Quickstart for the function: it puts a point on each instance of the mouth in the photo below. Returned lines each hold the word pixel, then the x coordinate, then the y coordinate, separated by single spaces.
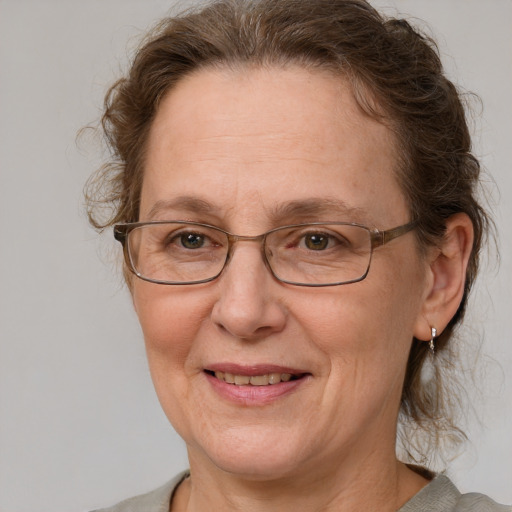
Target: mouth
pixel 264 379
pixel 257 385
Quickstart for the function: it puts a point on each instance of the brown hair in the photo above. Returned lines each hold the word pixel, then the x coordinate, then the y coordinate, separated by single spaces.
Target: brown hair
pixel 396 75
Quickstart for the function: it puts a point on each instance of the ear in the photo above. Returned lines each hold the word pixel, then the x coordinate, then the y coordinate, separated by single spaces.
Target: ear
pixel 447 265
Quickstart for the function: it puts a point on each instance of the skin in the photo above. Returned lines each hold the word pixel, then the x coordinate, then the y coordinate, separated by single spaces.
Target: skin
pixel 248 142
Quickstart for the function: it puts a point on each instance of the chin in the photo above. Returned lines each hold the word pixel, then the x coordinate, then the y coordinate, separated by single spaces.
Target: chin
pixel 259 456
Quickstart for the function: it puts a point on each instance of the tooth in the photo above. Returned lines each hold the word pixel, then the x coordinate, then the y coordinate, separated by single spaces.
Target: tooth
pixel 274 378
pixel 255 380
pixel 259 380
pixel 242 380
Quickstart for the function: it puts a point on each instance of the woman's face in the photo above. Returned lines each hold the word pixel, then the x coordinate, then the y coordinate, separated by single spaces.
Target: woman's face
pixel 249 151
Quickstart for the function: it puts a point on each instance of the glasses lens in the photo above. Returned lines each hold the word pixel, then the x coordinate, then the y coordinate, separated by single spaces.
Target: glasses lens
pixel 319 254
pixel 177 252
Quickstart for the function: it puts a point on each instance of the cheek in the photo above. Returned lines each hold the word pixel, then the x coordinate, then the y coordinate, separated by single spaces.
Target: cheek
pixel 366 329
pixel 170 323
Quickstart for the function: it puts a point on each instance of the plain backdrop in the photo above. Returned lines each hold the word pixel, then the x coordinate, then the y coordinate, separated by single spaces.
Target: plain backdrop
pixel 80 426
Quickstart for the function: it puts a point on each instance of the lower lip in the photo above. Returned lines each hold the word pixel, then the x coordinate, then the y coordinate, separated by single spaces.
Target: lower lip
pixel 254 395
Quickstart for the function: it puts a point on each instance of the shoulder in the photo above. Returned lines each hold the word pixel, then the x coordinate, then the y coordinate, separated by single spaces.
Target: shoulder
pixel 474 502
pixel 441 495
pixel 157 500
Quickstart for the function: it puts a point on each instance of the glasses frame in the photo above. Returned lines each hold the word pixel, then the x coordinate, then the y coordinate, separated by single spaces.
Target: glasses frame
pixel 377 238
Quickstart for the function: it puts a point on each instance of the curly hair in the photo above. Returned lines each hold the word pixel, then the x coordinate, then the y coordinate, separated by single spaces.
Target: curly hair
pixel 397 77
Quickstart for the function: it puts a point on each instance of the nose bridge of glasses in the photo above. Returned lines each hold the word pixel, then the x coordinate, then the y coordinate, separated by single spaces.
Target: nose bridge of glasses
pixel 248 238
pixel 234 239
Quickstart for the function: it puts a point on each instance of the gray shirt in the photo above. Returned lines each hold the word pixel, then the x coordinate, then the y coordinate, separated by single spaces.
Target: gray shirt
pixel 440 495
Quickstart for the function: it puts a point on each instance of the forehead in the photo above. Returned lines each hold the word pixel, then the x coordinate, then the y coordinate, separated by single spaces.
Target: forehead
pixel 258 138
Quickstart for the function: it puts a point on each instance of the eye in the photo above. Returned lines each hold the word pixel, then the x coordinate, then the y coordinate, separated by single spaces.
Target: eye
pixel 187 239
pixel 320 239
pixel 316 241
pixel 192 240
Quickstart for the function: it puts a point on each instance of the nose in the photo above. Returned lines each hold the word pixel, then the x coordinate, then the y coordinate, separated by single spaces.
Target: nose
pixel 248 306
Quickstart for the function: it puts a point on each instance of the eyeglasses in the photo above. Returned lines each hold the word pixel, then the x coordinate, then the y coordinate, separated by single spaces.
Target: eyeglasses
pixel 312 254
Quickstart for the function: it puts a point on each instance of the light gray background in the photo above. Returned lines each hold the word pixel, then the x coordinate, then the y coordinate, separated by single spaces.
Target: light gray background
pixel 80 426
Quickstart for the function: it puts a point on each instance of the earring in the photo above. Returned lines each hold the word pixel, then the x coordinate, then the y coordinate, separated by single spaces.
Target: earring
pixel 433 334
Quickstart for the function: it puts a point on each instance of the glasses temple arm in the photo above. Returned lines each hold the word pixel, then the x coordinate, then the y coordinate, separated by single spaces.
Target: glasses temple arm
pixel 383 237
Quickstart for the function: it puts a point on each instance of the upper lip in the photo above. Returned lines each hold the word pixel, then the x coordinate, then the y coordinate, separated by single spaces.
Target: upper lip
pixel 253 370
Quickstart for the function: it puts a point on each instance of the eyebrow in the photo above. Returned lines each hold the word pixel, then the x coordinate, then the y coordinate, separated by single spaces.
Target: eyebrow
pixel 310 209
pixel 320 208
pixel 187 204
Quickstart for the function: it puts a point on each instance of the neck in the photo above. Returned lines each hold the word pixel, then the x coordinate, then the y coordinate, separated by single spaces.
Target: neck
pixel 383 487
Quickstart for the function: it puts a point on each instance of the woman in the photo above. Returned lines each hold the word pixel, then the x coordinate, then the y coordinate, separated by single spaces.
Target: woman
pixel 293 187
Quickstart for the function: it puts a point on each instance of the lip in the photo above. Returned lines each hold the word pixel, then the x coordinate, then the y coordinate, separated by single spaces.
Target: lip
pixel 254 395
